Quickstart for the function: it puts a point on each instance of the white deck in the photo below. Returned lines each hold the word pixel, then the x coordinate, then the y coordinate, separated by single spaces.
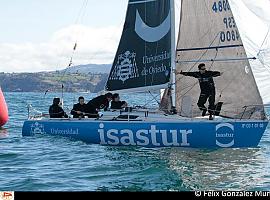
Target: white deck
pixel 153 116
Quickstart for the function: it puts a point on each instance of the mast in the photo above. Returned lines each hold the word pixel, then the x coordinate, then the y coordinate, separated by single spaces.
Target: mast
pixel 173 47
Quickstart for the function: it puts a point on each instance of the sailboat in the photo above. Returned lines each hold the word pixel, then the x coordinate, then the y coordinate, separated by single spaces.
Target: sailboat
pixel 3 109
pixel 147 60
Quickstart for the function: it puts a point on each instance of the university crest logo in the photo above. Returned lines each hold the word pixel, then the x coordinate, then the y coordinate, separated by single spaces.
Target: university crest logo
pixel 37 128
pixel 125 68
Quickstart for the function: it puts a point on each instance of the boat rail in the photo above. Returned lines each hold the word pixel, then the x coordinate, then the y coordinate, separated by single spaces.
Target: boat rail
pixel 242 113
pixel 132 113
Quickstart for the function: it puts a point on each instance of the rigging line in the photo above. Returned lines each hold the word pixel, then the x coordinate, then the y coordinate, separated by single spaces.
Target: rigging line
pixel 80 15
pixel 220 94
pixel 66 69
pixel 260 50
pixel 226 86
pixel 196 82
pixel 145 50
pixel 154 98
pixel 77 21
pixel 203 36
pixel 266 66
pixel 222 90
pixel 192 86
pixel 214 56
pixel 79 18
pixel 219 41
pixel 264 40
pixel 206 50
pixel 81 12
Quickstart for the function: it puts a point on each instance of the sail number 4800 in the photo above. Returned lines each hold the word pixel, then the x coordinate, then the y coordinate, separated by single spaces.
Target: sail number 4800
pixel 220 6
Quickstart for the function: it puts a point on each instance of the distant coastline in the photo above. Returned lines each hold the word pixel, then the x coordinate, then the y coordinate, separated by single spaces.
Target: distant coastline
pixel 75 79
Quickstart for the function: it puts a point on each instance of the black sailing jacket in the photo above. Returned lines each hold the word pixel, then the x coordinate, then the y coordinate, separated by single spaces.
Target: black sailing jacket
pixel 207 84
pixel 100 102
pixel 57 112
pixel 78 107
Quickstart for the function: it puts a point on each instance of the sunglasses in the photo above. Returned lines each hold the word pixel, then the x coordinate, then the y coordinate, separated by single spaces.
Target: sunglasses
pixel 203 69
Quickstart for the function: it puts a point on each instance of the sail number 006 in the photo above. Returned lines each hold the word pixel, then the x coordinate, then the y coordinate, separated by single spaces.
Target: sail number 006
pixel 221 6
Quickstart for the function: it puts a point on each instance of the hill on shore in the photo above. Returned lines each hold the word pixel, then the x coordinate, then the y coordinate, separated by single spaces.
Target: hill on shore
pixel 82 78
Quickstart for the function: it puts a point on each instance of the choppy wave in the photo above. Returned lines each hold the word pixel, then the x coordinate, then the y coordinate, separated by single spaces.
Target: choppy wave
pixel 47 163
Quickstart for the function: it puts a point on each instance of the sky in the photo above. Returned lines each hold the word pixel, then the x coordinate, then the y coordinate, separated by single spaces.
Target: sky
pixel 39 35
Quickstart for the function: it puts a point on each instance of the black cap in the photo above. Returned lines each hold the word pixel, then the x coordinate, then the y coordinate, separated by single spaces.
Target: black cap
pixel 81 97
pixel 56 100
pixel 201 65
pixel 115 95
pixel 108 95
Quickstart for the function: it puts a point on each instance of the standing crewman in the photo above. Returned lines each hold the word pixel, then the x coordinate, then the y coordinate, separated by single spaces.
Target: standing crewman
pixel 207 86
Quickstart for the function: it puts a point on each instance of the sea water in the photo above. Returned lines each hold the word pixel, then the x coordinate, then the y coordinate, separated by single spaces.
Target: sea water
pixel 50 163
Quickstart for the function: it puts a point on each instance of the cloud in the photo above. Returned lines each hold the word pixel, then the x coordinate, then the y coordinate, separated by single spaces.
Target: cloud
pixel 94 45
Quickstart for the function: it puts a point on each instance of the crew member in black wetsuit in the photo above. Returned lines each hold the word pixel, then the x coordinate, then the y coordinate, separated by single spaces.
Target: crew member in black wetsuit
pixel 116 103
pixel 100 102
pixel 207 88
pixel 79 109
pixel 56 111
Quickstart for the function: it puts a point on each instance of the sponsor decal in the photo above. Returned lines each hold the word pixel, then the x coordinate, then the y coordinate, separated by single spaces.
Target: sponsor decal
pixel 64 131
pixel 225 135
pixel 152 34
pixel 144 137
pixel 152 66
pixel 37 128
pixel 125 68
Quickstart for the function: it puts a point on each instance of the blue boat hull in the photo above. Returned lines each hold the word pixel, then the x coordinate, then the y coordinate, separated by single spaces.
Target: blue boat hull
pixel 193 134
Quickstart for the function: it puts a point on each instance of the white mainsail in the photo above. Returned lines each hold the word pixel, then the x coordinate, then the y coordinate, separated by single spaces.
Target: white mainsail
pixel 209 34
pixel 253 21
